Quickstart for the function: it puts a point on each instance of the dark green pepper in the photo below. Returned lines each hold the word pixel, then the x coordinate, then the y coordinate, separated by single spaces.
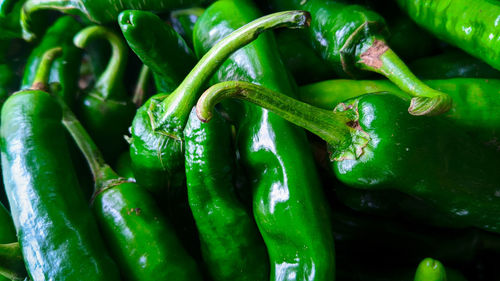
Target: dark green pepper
pixel 11 261
pixel 141 241
pixel 56 230
pixel 183 22
pixel 7 230
pixel 65 69
pixel 168 56
pixel 231 244
pixel 375 145
pixel 352 38
pixel 288 205
pixel 98 11
pixel 452 64
pixel 469 25
pixel 156 145
pixel 106 110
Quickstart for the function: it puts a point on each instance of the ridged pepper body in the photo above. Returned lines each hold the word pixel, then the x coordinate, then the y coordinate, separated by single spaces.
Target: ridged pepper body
pixel 288 205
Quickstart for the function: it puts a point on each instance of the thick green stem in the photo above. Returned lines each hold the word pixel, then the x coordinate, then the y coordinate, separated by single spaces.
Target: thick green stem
pixel 331 126
pixel 142 86
pixel 182 100
pixel 43 71
pixel 112 76
pixel 31 6
pixel 426 101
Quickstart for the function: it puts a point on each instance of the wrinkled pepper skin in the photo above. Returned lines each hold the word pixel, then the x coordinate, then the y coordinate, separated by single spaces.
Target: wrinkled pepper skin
pixel 231 244
pixel 288 204
pixel 106 110
pixel 168 56
pixel 469 25
pixel 375 144
pixel 65 69
pixel 56 230
pixel 452 64
pixel 97 11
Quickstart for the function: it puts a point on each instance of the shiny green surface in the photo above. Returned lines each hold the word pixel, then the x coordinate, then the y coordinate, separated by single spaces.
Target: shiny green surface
pixel 98 11
pixel 141 241
pixel 168 56
pixel 11 261
pixel 352 38
pixel 106 109
pixel 231 244
pixel 65 69
pixel 183 22
pixel 288 204
pixel 56 230
pixel 156 145
pixel 469 25
pixel 375 144
pixel 430 270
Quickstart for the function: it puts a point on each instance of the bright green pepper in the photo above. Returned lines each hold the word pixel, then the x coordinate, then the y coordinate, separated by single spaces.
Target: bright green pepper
pixel 156 145
pixel 141 241
pixel 168 56
pixel 352 38
pixel 65 69
pixel 98 11
pixel 106 110
pixel 231 244
pixel 469 25
pixel 430 270
pixel 375 145
pixel 288 204
pixel 57 232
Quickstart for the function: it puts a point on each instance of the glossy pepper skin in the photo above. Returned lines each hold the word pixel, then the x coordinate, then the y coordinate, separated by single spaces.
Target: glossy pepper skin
pixel 141 241
pixel 56 230
pixel 168 56
pixel 352 38
pixel 156 144
pixel 452 64
pixel 97 11
pixel 469 25
pixel 374 144
pixel 288 204
pixel 183 22
pixel 65 69
pixel 232 247
pixel 430 270
pixel 106 109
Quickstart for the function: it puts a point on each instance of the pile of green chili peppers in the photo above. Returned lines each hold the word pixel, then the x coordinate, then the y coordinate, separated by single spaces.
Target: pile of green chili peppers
pixel 305 140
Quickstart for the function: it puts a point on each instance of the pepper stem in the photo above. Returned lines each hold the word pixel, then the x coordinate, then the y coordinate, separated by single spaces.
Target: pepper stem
pixel 426 101
pixel 330 126
pixel 141 86
pixel 182 100
pixel 43 72
pixel 31 6
pixel 110 80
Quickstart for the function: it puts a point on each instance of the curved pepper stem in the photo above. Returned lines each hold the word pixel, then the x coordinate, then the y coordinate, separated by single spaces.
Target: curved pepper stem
pixel 333 127
pixel 110 82
pixel 179 104
pixel 430 270
pixel 426 101
pixel 43 71
pixel 11 261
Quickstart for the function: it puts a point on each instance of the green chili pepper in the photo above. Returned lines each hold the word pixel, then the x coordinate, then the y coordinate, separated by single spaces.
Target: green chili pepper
pixel 156 145
pixel 11 261
pixel 469 25
pixel 9 19
pixel 142 242
pixel 65 69
pixel 375 145
pixel 351 37
pixel 452 64
pixel 430 270
pixel 97 11
pixel 7 230
pixel 168 56
pixel 288 204
pixel 57 232
pixel 232 247
pixel 475 106
pixel 183 22
pixel 106 111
